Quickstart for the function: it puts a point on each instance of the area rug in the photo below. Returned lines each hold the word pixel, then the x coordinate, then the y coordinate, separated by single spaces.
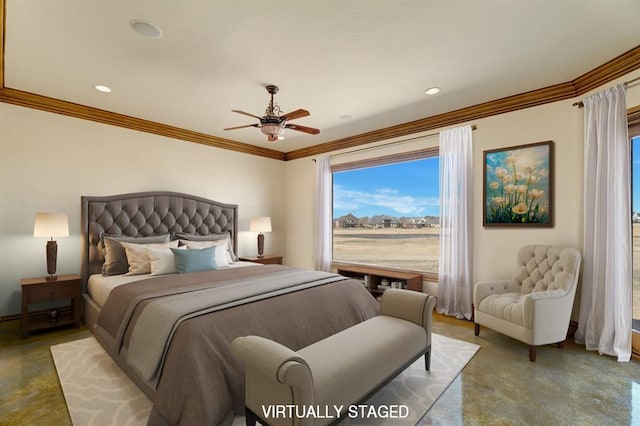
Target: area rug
pixel 97 392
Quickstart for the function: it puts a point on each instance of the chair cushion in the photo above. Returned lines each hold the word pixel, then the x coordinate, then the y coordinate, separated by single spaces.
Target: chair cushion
pixel 506 306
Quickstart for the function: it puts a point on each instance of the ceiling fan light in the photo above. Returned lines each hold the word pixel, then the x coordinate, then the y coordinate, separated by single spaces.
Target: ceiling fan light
pixel 272 129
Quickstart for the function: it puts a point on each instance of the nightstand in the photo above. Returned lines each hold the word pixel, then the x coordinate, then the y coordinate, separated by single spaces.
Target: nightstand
pixel 42 292
pixel 267 259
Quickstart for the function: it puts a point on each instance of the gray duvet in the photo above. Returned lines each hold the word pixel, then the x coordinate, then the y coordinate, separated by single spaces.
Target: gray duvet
pixel 172 335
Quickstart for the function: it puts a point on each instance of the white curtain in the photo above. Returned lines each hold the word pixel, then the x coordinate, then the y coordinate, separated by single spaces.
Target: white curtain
pixel 455 289
pixel 606 305
pixel 323 214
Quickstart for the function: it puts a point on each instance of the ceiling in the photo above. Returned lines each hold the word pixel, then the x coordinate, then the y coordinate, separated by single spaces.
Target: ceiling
pixel 356 65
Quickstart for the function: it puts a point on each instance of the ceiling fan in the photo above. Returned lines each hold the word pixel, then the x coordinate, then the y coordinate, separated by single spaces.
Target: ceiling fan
pixel 273 123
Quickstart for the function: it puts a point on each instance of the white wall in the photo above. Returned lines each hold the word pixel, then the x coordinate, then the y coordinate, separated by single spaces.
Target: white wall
pixel 494 248
pixel 47 161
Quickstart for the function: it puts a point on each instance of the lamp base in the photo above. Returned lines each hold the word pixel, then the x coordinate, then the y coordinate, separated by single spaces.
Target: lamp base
pixel 260 245
pixel 52 258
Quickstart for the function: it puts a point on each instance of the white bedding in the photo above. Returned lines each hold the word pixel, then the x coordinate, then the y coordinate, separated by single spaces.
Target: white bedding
pixel 99 286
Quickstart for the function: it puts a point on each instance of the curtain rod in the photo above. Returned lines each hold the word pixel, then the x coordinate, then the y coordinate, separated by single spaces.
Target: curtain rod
pixel 628 84
pixel 473 127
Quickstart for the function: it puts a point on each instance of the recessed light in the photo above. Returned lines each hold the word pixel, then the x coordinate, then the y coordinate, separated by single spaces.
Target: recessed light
pixel 145 29
pixel 103 89
pixel 432 90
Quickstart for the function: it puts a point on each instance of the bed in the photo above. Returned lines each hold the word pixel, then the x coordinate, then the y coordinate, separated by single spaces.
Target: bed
pixel 171 332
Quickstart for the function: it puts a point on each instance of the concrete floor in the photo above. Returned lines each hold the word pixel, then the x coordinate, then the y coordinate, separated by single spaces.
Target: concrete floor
pixel 568 386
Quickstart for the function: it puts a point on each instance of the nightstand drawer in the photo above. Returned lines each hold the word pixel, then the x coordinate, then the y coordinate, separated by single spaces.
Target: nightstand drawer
pixel 51 292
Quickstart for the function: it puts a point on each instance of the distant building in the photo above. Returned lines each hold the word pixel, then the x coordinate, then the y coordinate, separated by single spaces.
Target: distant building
pixel 348 221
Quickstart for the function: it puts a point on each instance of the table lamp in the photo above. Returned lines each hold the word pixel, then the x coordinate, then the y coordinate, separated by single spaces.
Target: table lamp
pixel 51 225
pixel 260 225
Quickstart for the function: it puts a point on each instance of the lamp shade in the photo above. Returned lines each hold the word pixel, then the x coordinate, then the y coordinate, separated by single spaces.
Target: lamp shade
pixel 260 224
pixel 51 225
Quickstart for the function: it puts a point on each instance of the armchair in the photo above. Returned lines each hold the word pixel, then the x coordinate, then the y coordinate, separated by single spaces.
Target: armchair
pixel 535 305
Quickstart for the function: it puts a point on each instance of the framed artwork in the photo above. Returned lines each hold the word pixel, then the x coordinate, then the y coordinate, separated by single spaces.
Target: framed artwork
pixel 518 186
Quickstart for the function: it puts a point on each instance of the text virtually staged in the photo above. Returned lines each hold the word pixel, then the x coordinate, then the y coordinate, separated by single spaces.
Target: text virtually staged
pixel 360 411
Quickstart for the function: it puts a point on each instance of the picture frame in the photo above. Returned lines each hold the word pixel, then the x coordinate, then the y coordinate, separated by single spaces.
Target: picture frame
pixel 518 186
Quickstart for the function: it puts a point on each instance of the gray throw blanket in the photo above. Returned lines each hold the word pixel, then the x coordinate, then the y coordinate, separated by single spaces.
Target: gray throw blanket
pixel 157 323
pixel 199 380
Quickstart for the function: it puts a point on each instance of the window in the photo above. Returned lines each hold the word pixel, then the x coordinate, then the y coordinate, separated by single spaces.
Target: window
pixel 634 133
pixel 635 226
pixel 386 212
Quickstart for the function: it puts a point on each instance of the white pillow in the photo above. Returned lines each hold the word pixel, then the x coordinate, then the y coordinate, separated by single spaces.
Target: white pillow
pixel 162 261
pixel 221 254
pixel 138 258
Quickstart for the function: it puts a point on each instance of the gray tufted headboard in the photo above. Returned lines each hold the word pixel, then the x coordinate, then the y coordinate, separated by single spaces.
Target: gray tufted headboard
pixel 149 213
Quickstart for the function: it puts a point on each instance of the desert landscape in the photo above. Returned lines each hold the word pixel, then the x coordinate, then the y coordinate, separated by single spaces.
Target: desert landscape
pixel 415 249
pixel 418 249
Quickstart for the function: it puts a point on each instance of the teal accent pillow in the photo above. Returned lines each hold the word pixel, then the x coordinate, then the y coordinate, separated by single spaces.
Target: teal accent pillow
pixel 194 260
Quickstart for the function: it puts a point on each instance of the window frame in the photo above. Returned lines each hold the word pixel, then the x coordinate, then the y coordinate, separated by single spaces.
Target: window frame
pixel 419 154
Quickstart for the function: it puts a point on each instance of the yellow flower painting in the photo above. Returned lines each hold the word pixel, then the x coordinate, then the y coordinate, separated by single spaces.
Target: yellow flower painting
pixel 518 186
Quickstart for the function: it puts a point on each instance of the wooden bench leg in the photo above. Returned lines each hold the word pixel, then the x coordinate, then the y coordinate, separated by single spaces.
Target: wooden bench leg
pixel 251 418
pixel 427 359
pixel 476 329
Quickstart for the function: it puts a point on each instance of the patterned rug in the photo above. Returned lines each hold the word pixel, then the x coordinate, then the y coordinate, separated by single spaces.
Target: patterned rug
pixel 97 392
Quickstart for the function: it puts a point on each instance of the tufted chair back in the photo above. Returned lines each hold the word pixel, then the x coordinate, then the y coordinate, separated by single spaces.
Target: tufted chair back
pixel 545 268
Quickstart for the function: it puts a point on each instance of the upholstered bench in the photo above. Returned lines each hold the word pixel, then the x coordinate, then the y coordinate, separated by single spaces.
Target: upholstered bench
pixel 341 370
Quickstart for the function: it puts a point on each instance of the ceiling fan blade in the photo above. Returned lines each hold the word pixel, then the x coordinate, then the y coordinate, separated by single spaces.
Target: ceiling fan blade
pixel 242 127
pixel 246 113
pixel 295 114
pixel 303 129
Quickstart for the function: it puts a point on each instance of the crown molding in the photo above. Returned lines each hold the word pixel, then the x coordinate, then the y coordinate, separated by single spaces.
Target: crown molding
pixel 43 103
pixel 609 71
pixel 487 109
pixel 615 68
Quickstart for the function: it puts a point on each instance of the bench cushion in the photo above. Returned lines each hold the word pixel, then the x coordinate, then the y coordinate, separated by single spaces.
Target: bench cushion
pixel 350 364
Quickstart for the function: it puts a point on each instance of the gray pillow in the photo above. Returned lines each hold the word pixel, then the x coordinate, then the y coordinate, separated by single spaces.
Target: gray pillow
pixel 210 237
pixel 115 257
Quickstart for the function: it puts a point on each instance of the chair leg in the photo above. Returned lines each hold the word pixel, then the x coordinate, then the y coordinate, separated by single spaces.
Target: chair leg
pixel 476 329
pixel 427 359
pixel 532 353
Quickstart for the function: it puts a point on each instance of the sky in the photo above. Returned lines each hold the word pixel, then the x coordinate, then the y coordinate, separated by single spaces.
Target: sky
pixel 403 189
